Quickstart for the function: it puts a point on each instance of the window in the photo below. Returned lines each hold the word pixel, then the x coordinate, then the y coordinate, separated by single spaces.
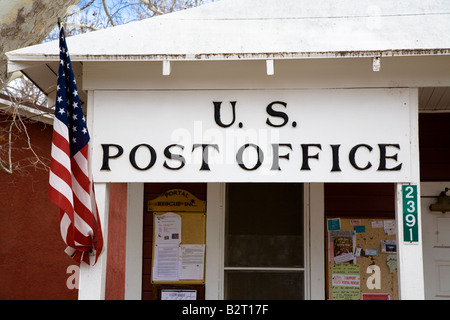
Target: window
pixel 264 241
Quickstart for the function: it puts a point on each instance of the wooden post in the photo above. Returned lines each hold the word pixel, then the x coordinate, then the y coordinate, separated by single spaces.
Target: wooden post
pixel 410 257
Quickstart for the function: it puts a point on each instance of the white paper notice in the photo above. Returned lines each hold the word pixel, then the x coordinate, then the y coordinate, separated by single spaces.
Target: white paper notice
pixel 377 224
pixel 192 261
pixel 168 228
pixel 178 294
pixel 166 262
pixel 389 227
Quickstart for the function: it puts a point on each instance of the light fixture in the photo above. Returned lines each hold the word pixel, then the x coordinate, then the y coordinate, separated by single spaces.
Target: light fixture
pixel 443 204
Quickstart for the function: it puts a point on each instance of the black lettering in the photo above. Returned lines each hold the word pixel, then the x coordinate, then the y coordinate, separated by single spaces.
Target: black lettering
pixel 276 154
pixel 205 164
pixel 107 156
pixel 306 156
pixel 133 156
pixel 335 149
pixel 217 116
pixel 240 152
pixel 383 157
pixel 352 154
pixel 275 113
pixel 172 156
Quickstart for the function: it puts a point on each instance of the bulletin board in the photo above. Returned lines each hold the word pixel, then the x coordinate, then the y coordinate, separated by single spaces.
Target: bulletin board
pixel 179 237
pixel 361 259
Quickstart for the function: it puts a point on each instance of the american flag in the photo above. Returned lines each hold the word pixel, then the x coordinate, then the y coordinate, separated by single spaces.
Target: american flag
pixel 71 186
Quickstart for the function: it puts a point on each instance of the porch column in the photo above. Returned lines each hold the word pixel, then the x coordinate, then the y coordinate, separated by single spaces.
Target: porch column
pixel 134 241
pixel 410 256
pixel 117 275
pixel 93 278
pixel 215 241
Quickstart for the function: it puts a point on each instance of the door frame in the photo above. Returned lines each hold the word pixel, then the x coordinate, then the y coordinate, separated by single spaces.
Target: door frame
pixel 314 245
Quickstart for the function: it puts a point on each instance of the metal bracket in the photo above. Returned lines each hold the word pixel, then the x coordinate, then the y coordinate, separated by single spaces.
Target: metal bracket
pixel 166 68
pixel 269 67
pixel 376 64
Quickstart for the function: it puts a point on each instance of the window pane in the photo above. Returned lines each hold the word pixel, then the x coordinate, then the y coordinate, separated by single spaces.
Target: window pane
pixel 264 225
pixel 264 285
pixel 264 251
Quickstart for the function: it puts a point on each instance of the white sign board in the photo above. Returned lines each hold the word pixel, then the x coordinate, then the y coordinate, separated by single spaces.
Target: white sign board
pixel 328 135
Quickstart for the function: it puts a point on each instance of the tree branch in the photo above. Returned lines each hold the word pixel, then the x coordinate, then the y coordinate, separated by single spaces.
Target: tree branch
pixel 107 13
pixel 81 9
pixel 30 147
pixel 151 7
pixel 80 25
pixel 7 167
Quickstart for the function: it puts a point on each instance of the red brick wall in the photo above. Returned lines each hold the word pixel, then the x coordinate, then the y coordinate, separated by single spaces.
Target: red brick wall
pixel 361 200
pixel 32 260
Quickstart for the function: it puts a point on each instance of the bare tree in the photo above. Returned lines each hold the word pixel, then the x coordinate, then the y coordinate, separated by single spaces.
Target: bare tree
pixel 18 108
pixel 99 14
pixel 22 98
pixel 27 22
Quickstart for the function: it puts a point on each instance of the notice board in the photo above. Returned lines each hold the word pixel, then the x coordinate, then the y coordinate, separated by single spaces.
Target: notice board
pixel 361 259
pixel 179 235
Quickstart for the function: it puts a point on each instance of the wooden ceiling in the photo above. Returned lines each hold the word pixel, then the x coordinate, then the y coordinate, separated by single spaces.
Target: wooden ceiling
pixel 434 99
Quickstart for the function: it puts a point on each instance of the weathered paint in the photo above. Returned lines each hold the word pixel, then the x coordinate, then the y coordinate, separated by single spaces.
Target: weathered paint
pixel 295 29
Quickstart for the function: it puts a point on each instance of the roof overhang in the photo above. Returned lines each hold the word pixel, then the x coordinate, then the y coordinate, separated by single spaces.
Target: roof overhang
pixel 257 30
pixel 26 109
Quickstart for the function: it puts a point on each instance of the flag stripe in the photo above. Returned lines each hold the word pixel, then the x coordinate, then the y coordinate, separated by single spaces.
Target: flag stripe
pixel 60 141
pixel 62 188
pixel 70 185
pixel 62 172
pixel 61 128
pixel 65 223
pixel 80 177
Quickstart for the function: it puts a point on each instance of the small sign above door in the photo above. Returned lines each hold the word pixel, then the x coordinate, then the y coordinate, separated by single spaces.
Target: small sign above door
pixel 177 200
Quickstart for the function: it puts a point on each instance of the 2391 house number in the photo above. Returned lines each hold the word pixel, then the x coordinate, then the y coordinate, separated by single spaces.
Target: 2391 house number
pixel 410 221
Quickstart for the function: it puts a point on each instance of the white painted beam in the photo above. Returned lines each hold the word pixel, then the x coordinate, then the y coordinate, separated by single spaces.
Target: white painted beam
pixel 215 217
pixel 93 278
pixel 92 281
pixel 135 222
pixel 410 255
pixel 315 202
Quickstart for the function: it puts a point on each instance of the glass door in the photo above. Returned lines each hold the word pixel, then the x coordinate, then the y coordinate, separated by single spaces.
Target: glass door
pixel 264 241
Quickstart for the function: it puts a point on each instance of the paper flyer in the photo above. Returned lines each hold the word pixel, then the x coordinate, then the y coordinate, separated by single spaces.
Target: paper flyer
pixel 166 262
pixel 167 228
pixel 192 261
pixel 342 246
pixel 345 283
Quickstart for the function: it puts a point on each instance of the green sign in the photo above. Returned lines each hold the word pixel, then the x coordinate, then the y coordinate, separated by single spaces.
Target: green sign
pixel 410 210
